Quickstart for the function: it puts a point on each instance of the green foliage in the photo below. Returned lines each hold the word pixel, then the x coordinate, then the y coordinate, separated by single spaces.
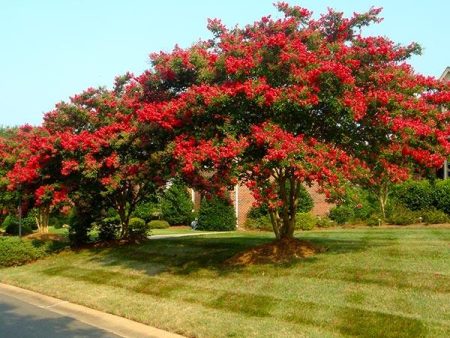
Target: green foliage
pixel 305 221
pixel 305 201
pixel 80 222
pixel 30 221
pixel 138 227
pixel 325 222
pixel 108 228
pixel 158 224
pixel 361 201
pixel 434 216
pixel 58 220
pixel 147 211
pixel 256 222
pixel 11 225
pixel 403 216
pixel 176 205
pixel 442 196
pixel 415 195
pixel 15 251
pixel 305 204
pixel 13 229
pixel 374 220
pixel 342 214
pixel 258 212
pixel 216 215
pixel 8 220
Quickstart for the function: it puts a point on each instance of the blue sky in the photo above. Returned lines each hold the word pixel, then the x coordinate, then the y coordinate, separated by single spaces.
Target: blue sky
pixel 52 49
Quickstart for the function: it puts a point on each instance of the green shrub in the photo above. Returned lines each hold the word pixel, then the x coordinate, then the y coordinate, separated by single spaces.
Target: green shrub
pixel 11 225
pixel 216 215
pixel 59 219
pixel 8 220
pixel 147 211
pixel 138 227
pixel 81 220
pixel 108 228
pixel 176 205
pixel 158 224
pixel 374 220
pixel 325 222
pixel 13 229
pixel 403 216
pixel 434 216
pixel 361 202
pixel 15 251
pixel 259 223
pixel 30 222
pixel 414 195
pixel 305 221
pixel 442 196
pixel 341 214
pixel 364 211
pixel 305 201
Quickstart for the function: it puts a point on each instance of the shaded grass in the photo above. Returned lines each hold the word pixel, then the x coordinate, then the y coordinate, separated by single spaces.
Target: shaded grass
pixel 369 283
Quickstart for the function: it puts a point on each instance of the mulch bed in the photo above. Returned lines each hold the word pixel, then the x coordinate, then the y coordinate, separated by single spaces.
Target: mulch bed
pixel 47 237
pixel 279 251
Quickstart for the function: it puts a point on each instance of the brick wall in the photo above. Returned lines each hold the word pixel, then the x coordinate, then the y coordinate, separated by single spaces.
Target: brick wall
pixel 321 206
pixel 245 198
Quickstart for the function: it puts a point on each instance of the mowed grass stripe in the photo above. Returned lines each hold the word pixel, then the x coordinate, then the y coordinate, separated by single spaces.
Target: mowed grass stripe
pixel 364 285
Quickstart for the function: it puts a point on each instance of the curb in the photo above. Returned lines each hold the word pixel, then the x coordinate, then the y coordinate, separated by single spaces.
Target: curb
pixel 114 324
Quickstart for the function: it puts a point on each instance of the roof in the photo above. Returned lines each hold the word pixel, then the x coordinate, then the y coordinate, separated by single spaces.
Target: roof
pixel 445 75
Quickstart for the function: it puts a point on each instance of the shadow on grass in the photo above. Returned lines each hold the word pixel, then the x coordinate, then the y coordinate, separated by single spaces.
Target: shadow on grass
pixel 349 320
pixel 185 255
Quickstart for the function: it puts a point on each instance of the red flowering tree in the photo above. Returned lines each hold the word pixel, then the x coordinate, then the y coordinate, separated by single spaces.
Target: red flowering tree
pixel 102 151
pixel 34 176
pixel 292 101
pixel 9 141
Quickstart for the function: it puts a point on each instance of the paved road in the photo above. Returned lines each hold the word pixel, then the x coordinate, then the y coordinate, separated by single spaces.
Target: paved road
pixel 22 320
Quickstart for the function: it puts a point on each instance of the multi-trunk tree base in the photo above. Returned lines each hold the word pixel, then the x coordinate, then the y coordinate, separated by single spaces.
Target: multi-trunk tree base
pixel 278 251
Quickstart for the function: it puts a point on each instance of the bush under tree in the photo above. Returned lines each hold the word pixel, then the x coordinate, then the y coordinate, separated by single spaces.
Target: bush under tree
pixel 158 224
pixel 216 214
pixel 415 195
pixel 176 205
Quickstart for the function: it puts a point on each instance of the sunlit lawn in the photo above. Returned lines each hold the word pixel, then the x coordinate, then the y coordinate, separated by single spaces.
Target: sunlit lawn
pixel 370 282
pixel 173 231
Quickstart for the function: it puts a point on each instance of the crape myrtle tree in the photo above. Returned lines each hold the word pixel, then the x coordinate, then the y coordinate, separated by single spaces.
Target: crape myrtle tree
pixel 103 152
pixel 9 200
pixel 292 101
pixel 33 175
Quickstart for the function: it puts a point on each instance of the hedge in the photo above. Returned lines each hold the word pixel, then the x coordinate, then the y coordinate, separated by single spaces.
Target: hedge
pixel 177 206
pixel 216 215
pixel 15 251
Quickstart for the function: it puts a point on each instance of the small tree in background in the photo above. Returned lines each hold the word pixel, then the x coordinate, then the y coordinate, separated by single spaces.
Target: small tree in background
pixel 176 205
pixel 216 214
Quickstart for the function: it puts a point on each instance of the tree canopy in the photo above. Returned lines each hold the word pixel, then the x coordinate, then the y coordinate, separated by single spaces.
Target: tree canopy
pixel 276 105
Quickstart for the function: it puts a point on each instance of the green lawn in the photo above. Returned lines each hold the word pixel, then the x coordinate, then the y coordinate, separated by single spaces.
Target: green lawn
pixel 58 231
pixel 173 231
pixel 370 283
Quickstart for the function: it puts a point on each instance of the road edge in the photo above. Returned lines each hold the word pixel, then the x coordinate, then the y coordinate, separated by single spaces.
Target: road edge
pixel 105 321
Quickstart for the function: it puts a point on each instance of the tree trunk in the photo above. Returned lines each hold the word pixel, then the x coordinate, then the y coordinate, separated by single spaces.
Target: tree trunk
pixel 42 219
pixel 383 196
pixel 284 219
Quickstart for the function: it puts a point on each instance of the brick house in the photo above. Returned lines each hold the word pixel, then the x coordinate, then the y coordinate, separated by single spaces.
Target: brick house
pixel 243 200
